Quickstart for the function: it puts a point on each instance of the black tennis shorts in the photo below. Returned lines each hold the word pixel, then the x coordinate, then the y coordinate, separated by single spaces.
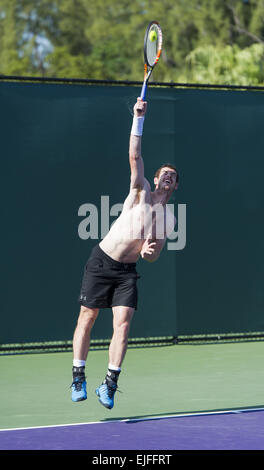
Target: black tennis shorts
pixel 108 283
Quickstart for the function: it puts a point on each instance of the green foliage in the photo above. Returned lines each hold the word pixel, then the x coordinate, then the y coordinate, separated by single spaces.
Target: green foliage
pixel 206 41
pixel 210 64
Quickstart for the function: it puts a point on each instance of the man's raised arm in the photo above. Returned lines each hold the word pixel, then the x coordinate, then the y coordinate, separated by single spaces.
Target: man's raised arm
pixel 135 158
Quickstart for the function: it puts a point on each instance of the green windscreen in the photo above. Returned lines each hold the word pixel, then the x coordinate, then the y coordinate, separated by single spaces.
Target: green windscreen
pixel 64 153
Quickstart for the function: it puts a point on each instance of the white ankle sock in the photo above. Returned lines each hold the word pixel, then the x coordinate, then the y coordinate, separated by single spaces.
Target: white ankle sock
pixel 78 363
pixel 110 366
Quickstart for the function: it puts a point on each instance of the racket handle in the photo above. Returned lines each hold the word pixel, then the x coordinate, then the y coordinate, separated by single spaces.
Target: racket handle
pixel 144 91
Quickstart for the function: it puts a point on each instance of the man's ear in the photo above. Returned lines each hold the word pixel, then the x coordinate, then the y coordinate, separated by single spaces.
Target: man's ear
pixel 156 180
pixel 176 186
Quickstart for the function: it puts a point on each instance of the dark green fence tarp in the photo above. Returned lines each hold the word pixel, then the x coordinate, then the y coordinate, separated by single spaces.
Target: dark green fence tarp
pixel 63 146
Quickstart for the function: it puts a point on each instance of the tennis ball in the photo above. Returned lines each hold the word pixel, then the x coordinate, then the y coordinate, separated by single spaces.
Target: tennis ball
pixel 153 36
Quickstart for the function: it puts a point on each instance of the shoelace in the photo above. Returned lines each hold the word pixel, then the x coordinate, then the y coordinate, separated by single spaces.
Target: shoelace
pixel 111 390
pixel 78 384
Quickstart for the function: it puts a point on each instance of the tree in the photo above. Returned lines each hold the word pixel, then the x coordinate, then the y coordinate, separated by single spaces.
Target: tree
pixel 103 39
pixel 225 66
pixel 10 33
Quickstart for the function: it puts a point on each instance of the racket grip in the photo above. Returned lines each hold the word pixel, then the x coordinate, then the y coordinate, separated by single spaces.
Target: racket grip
pixel 143 91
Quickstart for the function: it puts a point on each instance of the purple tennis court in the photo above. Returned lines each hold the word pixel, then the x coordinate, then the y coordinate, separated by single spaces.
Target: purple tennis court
pixel 243 430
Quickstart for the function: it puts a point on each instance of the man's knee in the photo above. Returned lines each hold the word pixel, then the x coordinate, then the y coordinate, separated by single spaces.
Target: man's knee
pixel 123 329
pixel 87 316
pixel 122 321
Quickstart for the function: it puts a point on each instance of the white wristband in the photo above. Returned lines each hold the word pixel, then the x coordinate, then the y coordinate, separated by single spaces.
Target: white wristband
pixel 137 125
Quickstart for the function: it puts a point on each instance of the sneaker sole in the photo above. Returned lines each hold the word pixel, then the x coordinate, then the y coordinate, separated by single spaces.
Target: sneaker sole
pixel 79 399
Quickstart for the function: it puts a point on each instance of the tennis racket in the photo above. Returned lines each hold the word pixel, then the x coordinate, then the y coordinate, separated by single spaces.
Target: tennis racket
pixel 152 51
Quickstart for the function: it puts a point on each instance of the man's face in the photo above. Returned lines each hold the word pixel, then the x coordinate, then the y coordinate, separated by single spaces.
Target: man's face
pixel 166 179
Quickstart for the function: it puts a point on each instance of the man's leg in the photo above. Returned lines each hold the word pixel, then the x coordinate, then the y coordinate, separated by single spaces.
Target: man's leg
pixel 122 317
pixel 81 337
pixel 81 344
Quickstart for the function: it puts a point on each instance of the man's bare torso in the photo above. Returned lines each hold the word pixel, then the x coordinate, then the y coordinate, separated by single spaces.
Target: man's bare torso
pixel 140 216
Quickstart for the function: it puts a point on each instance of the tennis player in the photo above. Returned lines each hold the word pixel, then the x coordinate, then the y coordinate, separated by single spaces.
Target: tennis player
pixel 110 276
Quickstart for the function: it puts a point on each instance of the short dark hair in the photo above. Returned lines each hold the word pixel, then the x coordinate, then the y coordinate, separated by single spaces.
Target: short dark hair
pixel 169 165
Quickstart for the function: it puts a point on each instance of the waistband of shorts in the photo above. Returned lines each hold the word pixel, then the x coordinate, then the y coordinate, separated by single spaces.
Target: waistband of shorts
pixel 114 263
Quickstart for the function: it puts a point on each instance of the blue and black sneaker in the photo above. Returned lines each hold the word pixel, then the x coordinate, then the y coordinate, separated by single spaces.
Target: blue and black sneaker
pixel 78 385
pixel 106 394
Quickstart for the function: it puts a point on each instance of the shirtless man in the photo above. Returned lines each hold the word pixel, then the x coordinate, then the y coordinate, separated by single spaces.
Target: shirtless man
pixel 110 274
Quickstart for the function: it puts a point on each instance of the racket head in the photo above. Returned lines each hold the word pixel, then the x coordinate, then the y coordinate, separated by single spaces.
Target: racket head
pixel 152 49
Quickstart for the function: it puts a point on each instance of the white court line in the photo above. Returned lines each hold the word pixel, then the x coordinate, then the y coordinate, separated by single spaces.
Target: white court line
pixel 127 420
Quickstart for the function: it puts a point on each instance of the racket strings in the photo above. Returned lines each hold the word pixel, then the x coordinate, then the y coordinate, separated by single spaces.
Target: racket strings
pixel 153 47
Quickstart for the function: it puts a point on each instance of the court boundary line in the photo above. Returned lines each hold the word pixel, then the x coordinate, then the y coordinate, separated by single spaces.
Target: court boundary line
pixel 135 420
